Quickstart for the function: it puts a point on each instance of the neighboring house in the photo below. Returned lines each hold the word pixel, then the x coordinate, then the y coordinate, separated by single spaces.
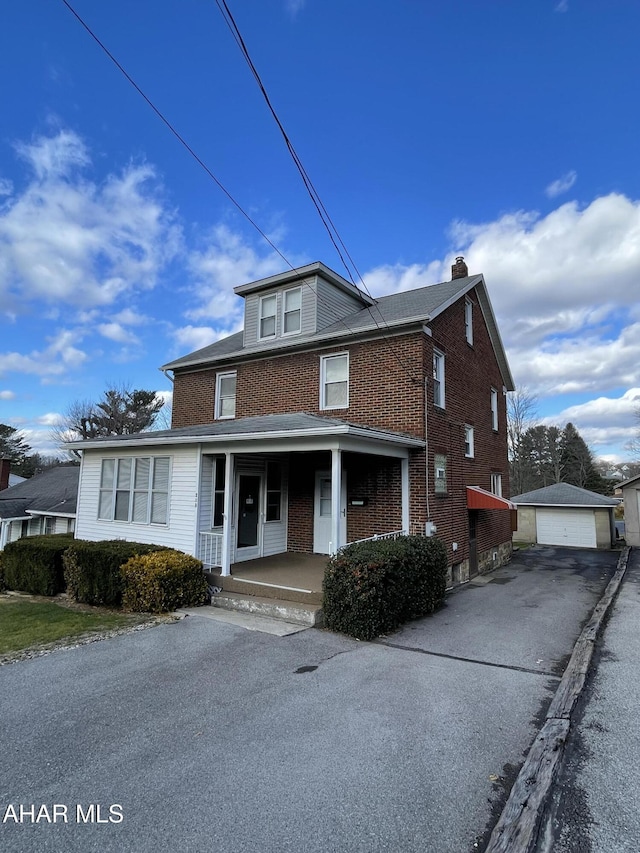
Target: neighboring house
pixel 331 417
pixel 562 514
pixel 45 503
pixel 631 497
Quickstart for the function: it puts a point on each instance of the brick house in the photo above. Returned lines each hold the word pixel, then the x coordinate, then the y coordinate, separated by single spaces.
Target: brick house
pixel 330 418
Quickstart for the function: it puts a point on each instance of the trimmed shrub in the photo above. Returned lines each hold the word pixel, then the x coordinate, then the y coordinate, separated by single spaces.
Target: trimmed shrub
pixel 3 585
pixel 371 588
pixel 92 569
pixel 34 563
pixel 164 581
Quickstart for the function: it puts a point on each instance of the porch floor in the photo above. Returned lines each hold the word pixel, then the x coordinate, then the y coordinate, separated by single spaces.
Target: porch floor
pixel 290 576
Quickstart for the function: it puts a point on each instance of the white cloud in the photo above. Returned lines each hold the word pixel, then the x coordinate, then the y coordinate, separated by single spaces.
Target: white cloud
pixel 49 419
pixel 190 338
pixel 7 395
pixel 116 332
pixel 130 318
pixel 6 187
pixel 562 185
pixel 294 6
pixel 64 239
pixel 562 6
pixel 59 358
pixel 603 421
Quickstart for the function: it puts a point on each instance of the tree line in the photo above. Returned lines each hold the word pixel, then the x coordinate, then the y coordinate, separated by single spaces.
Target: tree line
pixel 541 455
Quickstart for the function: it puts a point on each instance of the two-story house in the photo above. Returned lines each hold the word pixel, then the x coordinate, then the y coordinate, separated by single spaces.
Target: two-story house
pixel 331 417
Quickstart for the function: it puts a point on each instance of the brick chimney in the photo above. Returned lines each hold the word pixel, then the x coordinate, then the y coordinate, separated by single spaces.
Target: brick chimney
pixel 459 269
pixel 5 468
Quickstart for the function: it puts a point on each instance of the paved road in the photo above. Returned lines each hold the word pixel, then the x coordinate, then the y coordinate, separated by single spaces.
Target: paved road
pixel 211 738
pixel 597 798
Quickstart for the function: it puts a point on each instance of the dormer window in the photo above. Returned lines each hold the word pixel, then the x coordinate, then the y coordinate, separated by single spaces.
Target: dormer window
pixel 292 311
pixel 268 309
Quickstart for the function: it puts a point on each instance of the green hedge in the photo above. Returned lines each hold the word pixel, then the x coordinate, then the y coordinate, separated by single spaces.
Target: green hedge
pixel 34 563
pixel 371 588
pixel 163 581
pixel 92 569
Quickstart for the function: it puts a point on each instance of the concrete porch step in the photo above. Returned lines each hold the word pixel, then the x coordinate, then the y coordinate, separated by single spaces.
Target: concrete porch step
pixel 309 615
pixel 264 589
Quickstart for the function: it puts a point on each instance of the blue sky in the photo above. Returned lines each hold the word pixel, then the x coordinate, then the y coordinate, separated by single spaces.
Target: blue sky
pixel 506 132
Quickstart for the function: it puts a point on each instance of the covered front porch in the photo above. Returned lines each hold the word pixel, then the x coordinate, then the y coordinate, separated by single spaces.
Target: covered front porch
pixel 271 510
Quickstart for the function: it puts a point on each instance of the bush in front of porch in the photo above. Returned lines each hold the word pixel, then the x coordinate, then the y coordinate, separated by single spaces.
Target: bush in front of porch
pixel 163 581
pixel 33 564
pixel 371 588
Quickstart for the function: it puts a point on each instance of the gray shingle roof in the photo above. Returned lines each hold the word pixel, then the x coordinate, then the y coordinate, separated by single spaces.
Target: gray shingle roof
pixel 405 307
pixel 564 494
pixel 260 424
pixel 54 491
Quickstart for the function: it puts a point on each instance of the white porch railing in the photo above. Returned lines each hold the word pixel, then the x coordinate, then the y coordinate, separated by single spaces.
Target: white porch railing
pixel 210 549
pixel 396 534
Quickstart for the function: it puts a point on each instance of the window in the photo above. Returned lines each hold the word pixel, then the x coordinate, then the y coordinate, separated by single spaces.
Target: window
pixel 496 484
pixel 468 320
pixel 291 311
pixel 468 440
pixel 218 491
pixel 494 409
pixel 49 525
pixel 440 466
pixel 438 379
pixel 334 381
pixel 268 305
pixel 274 491
pixel 134 490
pixel 226 395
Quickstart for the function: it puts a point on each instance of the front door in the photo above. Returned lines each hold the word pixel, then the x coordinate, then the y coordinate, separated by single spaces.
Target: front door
pixel 322 512
pixel 248 542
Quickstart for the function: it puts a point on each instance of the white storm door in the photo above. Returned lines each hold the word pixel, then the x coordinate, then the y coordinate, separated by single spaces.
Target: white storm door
pixel 322 512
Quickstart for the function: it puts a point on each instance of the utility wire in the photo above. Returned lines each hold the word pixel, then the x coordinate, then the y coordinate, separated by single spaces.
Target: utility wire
pixel 208 171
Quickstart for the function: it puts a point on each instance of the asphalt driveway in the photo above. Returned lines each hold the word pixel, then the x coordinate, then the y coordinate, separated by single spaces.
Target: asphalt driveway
pixel 210 737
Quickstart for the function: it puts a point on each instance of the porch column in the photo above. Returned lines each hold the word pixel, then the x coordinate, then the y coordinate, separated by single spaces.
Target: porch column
pixel 227 513
pixel 336 492
pixel 404 484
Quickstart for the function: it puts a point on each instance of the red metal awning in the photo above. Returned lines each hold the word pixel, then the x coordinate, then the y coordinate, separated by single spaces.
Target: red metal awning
pixel 478 498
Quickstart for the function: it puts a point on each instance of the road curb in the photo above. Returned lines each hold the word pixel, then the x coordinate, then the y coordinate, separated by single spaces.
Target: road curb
pixel 517 828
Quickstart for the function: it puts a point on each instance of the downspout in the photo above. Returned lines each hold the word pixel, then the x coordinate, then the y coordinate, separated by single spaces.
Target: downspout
pixel 166 373
pixel 426 446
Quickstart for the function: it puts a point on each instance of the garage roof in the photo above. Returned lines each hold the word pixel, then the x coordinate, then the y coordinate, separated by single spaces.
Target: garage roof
pixel 563 494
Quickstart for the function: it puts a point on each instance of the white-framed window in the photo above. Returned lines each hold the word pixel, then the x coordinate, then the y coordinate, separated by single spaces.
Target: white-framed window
pixel 49 525
pixel 496 484
pixel 438 378
pixel 494 409
pixel 468 440
pixel 334 381
pixel 440 473
pixel 226 395
pixel 218 491
pixel 468 320
pixel 268 310
pixel 274 491
pixel 135 490
pixel 292 311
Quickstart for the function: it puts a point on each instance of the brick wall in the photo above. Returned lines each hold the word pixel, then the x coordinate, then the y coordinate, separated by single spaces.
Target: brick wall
pixel 386 390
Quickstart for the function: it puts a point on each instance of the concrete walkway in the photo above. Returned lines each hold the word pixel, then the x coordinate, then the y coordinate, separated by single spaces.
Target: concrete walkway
pixel 597 798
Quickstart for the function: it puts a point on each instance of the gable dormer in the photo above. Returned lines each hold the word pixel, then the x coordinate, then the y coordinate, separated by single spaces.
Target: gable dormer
pixel 296 304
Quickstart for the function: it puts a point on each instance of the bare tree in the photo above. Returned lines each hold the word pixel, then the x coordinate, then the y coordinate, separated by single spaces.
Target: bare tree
pixel 522 412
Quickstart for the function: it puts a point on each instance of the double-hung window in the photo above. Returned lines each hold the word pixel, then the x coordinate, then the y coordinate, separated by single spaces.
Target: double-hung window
pixel 438 378
pixel 274 491
pixel 226 395
pixel 494 409
pixel 496 484
pixel 468 320
pixel 334 381
pixel 292 311
pixel 134 490
pixel 268 309
pixel 218 491
pixel 468 440
pixel 440 473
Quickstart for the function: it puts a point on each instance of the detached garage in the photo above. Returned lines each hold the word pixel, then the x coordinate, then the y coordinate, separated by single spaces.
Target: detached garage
pixel 565 515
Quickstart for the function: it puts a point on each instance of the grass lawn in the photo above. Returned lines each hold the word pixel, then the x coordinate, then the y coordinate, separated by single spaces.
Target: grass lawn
pixel 27 623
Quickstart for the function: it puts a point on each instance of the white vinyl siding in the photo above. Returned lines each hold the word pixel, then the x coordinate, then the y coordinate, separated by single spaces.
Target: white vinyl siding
pixel 182 486
pixel 226 395
pixel 334 381
pixel 333 303
pixel 572 527
pixel 438 379
pixel 494 409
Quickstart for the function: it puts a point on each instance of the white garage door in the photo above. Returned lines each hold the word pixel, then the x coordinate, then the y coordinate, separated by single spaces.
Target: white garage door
pixel 566 527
